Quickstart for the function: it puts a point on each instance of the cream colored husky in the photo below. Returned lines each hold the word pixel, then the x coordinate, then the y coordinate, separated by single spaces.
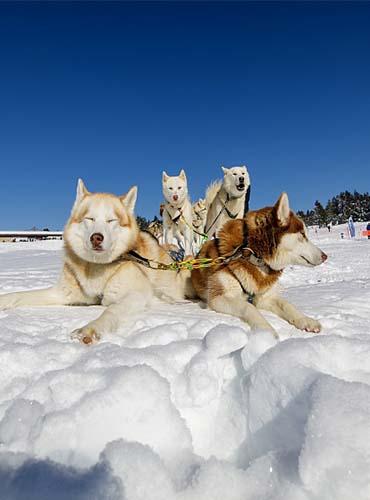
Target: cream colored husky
pixel 98 237
pixel 225 199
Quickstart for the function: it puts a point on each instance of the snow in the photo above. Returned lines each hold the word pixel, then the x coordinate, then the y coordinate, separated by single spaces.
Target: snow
pixel 183 403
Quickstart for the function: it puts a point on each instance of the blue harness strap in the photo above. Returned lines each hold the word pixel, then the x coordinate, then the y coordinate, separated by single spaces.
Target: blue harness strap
pixel 177 255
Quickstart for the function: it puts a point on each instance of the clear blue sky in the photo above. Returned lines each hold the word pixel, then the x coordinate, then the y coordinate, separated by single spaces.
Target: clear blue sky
pixel 117 92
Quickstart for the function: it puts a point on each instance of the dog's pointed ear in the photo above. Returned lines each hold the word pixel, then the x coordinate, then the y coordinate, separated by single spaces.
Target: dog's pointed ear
pixel 182 174
pixel 164 176
pixel 81 191
pixel 225 170
pixel 283 209
pixel 129 199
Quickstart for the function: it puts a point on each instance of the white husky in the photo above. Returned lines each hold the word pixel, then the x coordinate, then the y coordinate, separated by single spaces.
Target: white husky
pixel 177 211
pixel 225 199
pixel 100 238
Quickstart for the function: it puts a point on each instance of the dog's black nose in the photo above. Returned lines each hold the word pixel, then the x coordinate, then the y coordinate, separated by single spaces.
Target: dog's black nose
pixel 96 239
pixel 241 180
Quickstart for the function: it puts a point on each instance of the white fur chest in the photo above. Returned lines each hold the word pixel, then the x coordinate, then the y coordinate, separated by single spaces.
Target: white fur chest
pixel 95 278
pixel 222 210
pixel 181 217
pixel 178 224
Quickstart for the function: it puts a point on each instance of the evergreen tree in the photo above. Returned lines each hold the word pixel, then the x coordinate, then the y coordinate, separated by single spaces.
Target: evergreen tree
pixel 319 214
pixel 142 222
pixel 338 209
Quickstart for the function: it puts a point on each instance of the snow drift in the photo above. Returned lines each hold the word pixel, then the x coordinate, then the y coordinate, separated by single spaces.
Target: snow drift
pixel 184 403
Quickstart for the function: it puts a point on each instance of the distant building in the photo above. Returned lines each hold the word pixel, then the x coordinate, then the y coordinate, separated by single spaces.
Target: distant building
pixel 11 236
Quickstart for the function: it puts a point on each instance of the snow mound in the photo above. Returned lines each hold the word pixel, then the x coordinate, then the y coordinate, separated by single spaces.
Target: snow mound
pixel 336 457
pixel 184 403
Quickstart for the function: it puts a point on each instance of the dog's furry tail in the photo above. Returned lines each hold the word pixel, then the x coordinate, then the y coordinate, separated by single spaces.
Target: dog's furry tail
pixel 212 191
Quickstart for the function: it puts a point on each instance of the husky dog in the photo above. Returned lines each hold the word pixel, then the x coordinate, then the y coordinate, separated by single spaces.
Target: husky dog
pixel 264 242
pixel 177 212
pixel 98 237
pixel 226 199
pixel 199 221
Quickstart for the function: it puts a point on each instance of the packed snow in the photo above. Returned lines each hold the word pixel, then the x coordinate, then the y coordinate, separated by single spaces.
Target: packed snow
pixel 183 403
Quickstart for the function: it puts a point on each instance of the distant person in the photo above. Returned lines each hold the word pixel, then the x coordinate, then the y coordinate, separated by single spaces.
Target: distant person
pixel 368 230
pixel 351 227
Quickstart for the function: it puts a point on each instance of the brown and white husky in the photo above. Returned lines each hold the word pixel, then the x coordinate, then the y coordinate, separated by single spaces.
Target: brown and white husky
pixel 98 237
pixel 269 239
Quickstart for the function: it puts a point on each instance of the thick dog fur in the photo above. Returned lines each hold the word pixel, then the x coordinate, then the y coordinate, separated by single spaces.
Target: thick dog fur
pixel 199 221
pixel 279 237
pixel 177 211
pixel 102 228
pixel 229 192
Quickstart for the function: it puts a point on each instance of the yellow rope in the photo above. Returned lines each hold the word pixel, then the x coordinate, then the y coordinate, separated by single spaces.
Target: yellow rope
pixel 190 264
pixel 187 264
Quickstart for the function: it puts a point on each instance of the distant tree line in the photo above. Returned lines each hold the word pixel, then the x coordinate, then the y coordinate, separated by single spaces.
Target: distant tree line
pixel 142 222
pixel 339 209
pixel 336 211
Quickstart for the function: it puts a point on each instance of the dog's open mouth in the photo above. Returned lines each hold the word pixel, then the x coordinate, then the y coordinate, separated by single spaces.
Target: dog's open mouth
pixel 240 187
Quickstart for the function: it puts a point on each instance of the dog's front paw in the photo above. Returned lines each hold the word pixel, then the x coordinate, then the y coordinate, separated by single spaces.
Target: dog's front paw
pixel 86 335
pixel 308 324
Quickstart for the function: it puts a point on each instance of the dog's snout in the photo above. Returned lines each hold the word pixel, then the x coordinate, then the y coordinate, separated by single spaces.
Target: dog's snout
pixel 241 180
pixel 96 239
pixel 323 256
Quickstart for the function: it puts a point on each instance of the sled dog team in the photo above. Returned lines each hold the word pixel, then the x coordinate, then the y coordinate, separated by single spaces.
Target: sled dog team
pixel 191 224
pixel 109 261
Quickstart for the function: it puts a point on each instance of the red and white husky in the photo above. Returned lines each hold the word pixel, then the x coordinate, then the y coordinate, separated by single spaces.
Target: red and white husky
pixel 269 239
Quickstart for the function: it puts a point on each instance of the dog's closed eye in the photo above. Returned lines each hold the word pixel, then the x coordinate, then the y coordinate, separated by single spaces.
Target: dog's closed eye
pixel 112 220
pixel 89 218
